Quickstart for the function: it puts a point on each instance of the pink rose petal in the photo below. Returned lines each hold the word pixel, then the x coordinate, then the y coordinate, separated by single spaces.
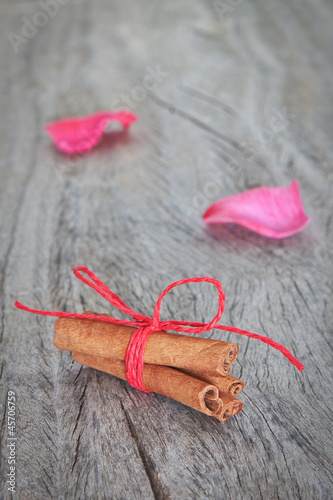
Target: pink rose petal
pixel 275 212
pixel 77 135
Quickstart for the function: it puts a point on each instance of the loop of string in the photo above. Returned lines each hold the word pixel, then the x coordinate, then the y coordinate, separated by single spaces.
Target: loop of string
pixel 145 325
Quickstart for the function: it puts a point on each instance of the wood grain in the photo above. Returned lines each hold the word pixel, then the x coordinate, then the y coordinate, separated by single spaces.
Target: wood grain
pixel 131 211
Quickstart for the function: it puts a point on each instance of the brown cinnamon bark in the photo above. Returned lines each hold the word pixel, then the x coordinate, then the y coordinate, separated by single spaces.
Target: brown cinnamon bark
pixel 227 384
pixel 171 383
pixel 108 340
pixel 230 406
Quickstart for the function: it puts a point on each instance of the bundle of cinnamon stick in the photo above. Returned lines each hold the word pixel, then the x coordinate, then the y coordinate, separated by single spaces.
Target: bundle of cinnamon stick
pixel 193 371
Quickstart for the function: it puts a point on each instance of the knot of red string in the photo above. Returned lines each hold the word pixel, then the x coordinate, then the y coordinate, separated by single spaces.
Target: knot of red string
pixel 145 325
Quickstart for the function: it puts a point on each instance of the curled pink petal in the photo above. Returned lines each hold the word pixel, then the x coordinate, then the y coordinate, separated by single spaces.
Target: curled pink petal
pixel 275 212
pixel 78 135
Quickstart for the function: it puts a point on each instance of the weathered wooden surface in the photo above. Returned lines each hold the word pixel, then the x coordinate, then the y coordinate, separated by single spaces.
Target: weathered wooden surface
pixel 131 211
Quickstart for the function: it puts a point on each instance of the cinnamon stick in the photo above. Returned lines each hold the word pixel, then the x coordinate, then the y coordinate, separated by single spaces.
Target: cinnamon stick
pixel 227 384
pixel 171 383
pixel 109 340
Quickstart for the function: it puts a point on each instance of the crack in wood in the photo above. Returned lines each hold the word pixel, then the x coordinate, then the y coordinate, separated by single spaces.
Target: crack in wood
pixel 194 120
pixel 158 488
pixel 207 98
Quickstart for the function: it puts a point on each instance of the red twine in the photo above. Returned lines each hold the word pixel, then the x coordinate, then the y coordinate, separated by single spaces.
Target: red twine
pixel 145 325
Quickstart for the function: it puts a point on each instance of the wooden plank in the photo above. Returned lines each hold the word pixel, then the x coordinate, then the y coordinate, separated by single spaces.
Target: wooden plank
pixel 238 97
